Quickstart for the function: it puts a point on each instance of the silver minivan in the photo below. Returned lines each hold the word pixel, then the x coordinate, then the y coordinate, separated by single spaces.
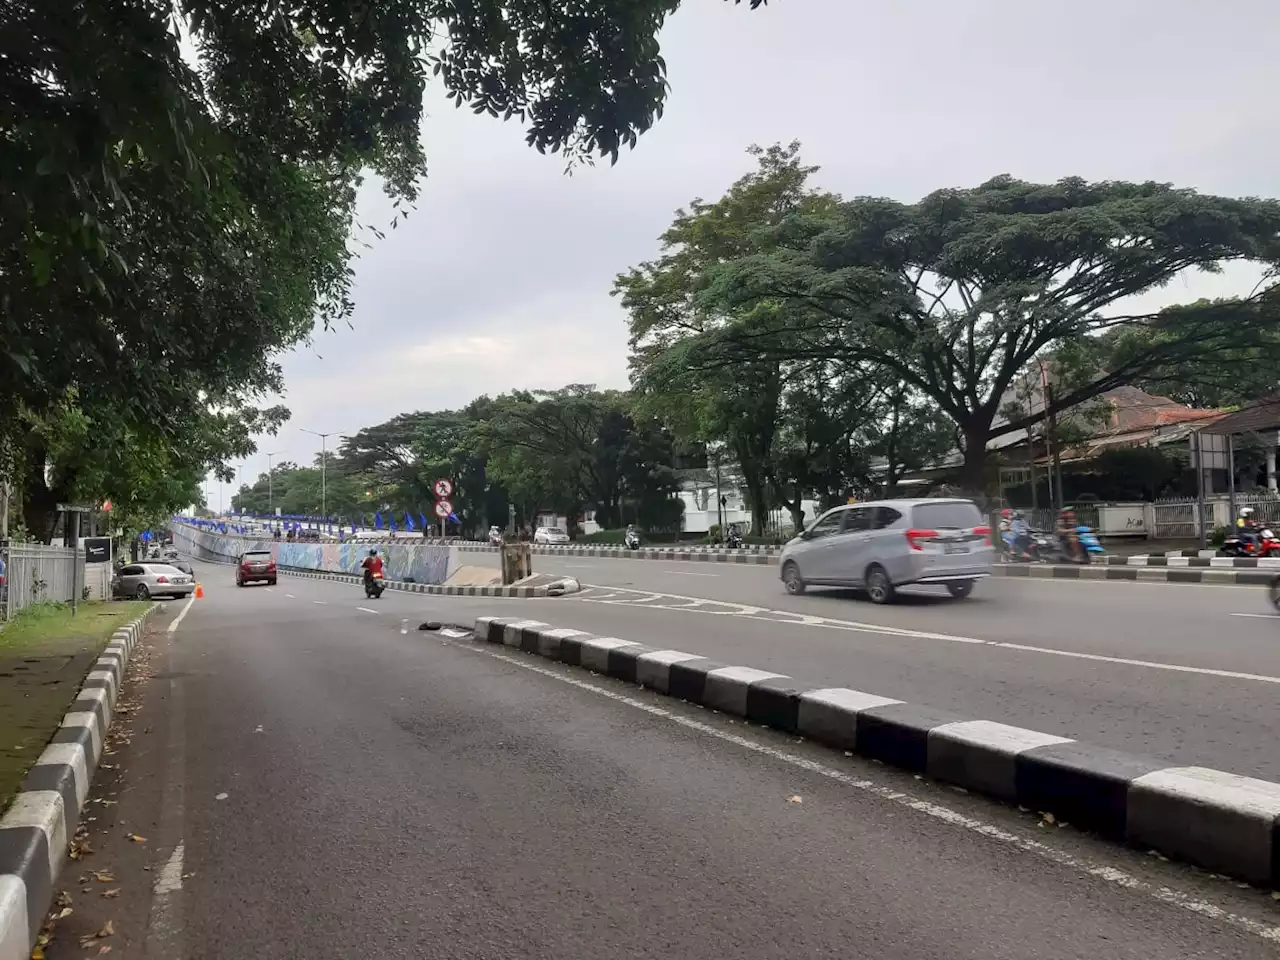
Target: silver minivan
pixel 886 544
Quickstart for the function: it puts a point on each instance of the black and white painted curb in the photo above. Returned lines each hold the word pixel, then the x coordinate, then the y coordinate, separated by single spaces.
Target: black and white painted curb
pixel 557 588
pixel 1211 560
pixel 761 556
pixel 1218 820
pixel 1154 573
pixel 39 825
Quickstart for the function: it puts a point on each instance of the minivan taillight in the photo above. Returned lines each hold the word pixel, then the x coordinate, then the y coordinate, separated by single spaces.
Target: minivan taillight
pixel 984 532
pixel 915 536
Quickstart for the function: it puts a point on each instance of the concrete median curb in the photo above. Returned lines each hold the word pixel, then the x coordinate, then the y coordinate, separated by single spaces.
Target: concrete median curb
pixel 557 588
pixel 1146 573
pixel 759 556
pixel 40 823
pixel 1218 820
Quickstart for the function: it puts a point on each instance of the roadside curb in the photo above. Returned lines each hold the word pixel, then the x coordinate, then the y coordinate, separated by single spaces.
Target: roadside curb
pixel 557 588
pixel 38 827
pixel 1153 573
pixel 1221 821
pixel 763 556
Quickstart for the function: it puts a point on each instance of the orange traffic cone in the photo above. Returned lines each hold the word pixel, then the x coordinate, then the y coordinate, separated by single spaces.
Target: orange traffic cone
pixel 199 592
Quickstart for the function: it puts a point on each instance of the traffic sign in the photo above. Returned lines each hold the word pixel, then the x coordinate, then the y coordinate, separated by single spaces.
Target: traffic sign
pixel 106 506
pixel 443 509
pixel 443 488
pixel 72 508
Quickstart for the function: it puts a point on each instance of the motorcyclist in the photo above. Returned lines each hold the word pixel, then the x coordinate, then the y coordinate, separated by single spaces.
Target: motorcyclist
pixel 372 565
pixel 734 536
pixel 632 536
pixel 1068 535
pixel 1020 534
pixel 1247 527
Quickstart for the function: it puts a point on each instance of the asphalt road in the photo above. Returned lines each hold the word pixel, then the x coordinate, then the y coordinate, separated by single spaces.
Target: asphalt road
pixel 300 778
pixel 1187 673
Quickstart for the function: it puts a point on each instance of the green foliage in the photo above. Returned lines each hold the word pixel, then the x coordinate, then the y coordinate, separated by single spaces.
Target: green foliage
pixel 741 375
pixel 955 296
pixel 167 229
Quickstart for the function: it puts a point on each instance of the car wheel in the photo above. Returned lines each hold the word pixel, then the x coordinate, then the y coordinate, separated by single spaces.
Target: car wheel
pixel 791 579
pixel 142 593
pixel 960 589
pixel 878 585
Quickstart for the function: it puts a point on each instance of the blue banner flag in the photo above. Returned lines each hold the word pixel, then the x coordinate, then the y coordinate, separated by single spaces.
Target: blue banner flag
pixel 408 521
pixel 423 520
pixel 377 520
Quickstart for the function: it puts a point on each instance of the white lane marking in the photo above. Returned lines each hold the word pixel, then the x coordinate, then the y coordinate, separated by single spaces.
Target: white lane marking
pixel 271 590
pixel 404 627
pixel 1259 616
pixel 170 879
pixel 688 573
pixel 1107 874
pixel 181 613
pixel 291 596
pixel 366 610
pixel 321 602
pixel 1154 665
pixel 648 600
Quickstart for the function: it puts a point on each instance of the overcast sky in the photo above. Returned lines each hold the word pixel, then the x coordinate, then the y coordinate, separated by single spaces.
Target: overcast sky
pixel 501 278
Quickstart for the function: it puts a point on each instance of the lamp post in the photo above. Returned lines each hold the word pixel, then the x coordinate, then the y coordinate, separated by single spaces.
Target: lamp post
pixel 271 509
pixel 324 463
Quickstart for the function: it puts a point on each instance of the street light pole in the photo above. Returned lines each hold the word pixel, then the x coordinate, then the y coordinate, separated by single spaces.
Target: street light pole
pixel 271 507
pixel 324 463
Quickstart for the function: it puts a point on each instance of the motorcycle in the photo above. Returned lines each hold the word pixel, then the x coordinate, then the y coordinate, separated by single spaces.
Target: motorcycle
pixel 374 584
pixel 1034 547
pixel 734 540
pixel 632 540
pixel 1262 543
pixel 495 537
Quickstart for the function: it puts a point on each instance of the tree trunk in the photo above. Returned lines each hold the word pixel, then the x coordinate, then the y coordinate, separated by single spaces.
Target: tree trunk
pixel 973 474
pixel 39 502
pixel 797 509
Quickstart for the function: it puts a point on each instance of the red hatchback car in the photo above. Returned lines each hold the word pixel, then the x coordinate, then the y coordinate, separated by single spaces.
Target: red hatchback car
pixel 256 565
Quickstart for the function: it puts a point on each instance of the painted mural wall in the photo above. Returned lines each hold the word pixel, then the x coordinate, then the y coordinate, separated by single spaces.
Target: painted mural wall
pixel 420 563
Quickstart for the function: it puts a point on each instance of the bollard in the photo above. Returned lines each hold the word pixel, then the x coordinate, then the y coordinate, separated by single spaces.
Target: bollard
pixel 517 562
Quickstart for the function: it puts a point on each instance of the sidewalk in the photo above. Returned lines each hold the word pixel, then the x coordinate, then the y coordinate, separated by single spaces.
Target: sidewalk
pixel 44 656
pixel 1136 546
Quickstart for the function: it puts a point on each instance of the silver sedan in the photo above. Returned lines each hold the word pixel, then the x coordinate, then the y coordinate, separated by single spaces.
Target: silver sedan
pixel 151 579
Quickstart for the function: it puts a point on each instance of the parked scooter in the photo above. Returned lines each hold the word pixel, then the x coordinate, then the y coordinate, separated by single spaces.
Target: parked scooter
pixel 374 584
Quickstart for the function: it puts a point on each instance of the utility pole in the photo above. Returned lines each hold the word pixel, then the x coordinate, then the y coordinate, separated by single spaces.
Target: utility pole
pixel 324 463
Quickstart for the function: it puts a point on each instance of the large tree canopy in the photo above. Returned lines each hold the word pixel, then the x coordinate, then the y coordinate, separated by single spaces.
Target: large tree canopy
pixel 954 296
pixel 169 223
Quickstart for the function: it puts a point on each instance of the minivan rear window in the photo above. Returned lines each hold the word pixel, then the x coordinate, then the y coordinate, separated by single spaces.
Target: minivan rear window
pixel 947 515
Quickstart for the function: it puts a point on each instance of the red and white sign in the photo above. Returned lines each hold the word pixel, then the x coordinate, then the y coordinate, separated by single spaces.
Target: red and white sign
pixel 443 488
pixel 106 506
pixel 443 509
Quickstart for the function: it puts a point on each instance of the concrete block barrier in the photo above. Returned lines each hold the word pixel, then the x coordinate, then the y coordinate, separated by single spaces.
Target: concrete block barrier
pixel 39 824
pixel 1218 820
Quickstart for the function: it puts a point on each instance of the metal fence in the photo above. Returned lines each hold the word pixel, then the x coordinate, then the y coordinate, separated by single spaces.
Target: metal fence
pixel 35 573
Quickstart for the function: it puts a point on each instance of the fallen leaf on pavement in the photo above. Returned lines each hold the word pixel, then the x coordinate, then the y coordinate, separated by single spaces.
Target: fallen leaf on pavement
pixel 64 912
pixel 108 930
pixel 37 953
pixel 1048 818
pixel 105 948
pixel 104 876
pixel 137 839
pixel 795 799
pixel 111 894
pixel 1275 894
